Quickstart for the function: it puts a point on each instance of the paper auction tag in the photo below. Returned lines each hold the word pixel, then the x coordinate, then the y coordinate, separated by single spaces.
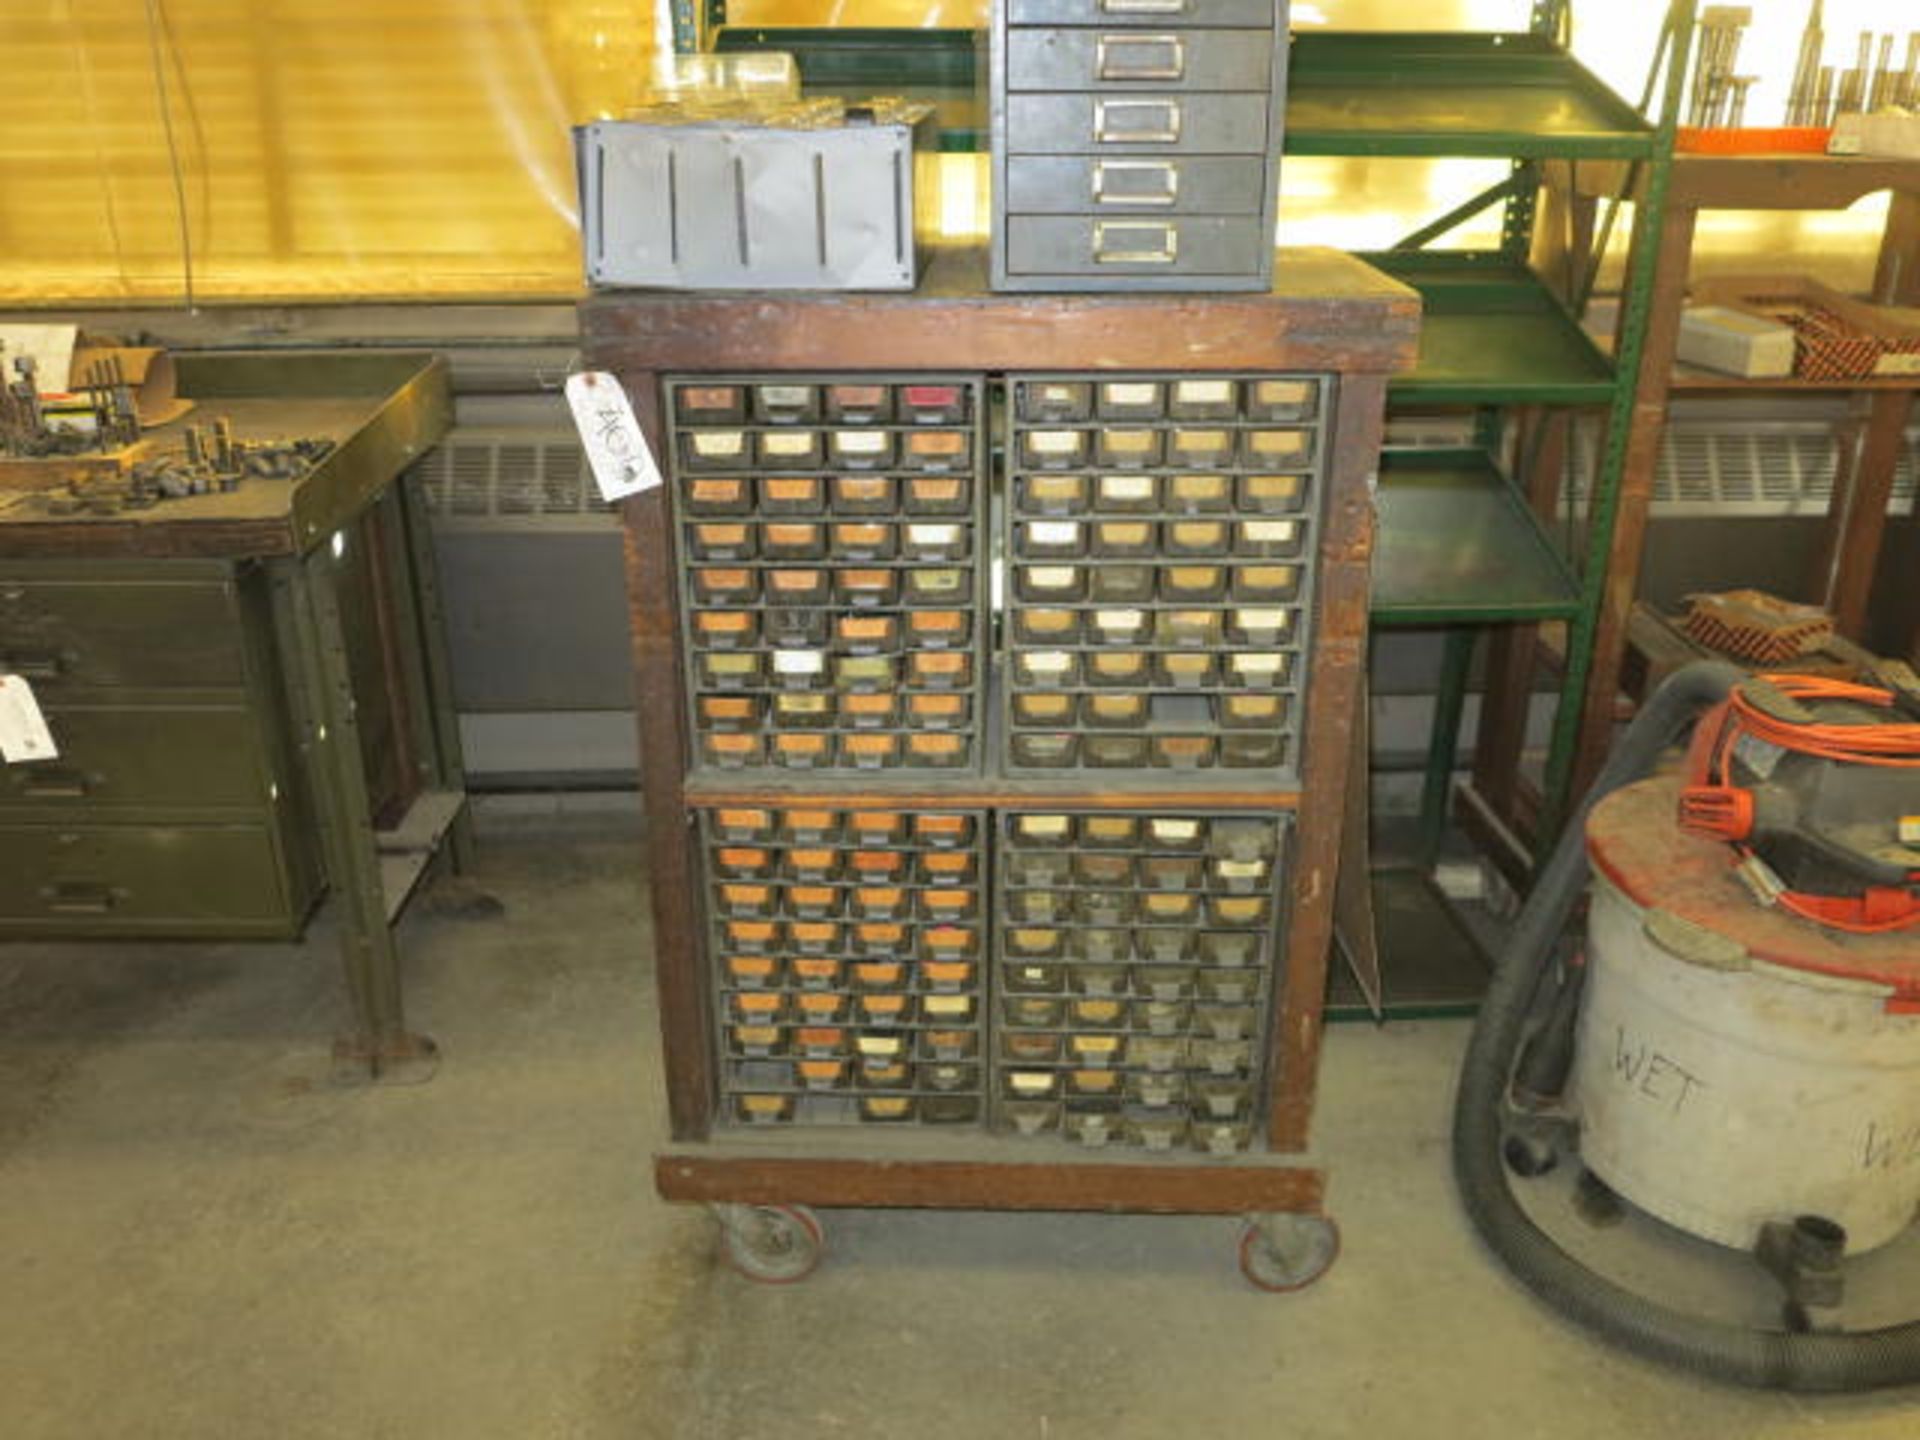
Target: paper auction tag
pixel 23 729
pixel 622 463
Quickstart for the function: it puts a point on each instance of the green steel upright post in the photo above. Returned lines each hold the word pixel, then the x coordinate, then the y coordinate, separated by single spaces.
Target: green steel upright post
pixel 1443 743
pixel 1635 311
pixel 306 608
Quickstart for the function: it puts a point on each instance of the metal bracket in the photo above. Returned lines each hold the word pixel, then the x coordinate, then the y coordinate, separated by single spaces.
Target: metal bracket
pixel 393 1059
pixel 1501 190
pixel 1805 1255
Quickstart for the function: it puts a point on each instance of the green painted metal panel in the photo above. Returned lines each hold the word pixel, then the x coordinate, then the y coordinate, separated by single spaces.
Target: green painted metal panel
pixel 1491 333
pixel 1510 96
pixel 1457 544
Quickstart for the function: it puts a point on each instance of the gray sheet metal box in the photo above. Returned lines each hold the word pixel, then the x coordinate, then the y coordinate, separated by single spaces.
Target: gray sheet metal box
pixel 810 196
pixel 1136 143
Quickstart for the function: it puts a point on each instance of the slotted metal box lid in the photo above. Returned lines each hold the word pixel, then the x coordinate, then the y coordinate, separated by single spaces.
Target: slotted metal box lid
pixel 813 195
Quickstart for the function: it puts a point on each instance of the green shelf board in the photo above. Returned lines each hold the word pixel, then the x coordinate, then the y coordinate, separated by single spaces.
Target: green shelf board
pixel 1458 545
pixel 1491 333
pixel 1516 96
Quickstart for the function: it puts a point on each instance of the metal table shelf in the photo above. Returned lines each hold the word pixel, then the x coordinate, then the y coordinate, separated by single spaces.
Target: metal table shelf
pixel 1493 333
pixel 1517 96
pixel 1457 544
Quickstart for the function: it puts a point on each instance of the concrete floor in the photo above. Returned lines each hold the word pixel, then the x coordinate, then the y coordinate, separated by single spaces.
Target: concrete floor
pixel 201 1236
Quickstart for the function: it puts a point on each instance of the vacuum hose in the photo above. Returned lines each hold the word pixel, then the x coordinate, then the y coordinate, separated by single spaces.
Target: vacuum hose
pixel 1774 1359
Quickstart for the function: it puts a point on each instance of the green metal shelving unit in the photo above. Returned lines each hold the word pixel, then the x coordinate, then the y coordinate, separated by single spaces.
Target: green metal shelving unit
pixel 1459 548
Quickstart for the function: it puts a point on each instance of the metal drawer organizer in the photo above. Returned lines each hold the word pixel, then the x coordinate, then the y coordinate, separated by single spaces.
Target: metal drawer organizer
pixel 176 805
pixel 833 585
pixel 1161 533
pixel 1136 143
pixel 848 954
pixel 1134 966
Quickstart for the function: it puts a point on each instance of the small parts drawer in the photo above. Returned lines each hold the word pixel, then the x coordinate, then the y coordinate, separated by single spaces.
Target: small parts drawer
pixel 1081 184
pixel 109 878
pixel 138 634
pixel 1091 245
pixel 832 530
pixel 848 950
pixel 1159 539
pixel 1085 123
pixel 142 756
pixel 1133 971
pixel 1196 14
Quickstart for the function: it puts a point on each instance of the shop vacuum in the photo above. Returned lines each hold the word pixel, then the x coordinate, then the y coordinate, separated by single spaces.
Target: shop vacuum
pixel 1735 1050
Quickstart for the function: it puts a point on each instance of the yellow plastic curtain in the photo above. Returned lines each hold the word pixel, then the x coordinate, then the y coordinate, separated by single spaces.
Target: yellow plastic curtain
pixel 324 148
pixel 333 149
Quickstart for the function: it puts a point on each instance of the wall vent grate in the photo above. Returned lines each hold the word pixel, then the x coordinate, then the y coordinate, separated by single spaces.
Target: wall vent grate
pixel 510 477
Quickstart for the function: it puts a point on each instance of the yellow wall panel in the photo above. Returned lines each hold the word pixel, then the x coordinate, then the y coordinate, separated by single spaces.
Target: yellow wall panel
pixel 325 147
pixel 419 148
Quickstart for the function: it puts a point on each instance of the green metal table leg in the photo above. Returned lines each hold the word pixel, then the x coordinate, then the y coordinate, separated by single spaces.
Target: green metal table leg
pixel 427 642
pixel 307 617
pixel 1443 744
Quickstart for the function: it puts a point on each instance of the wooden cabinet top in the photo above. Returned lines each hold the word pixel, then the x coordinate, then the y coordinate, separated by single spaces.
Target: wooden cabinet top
pixel 1326 311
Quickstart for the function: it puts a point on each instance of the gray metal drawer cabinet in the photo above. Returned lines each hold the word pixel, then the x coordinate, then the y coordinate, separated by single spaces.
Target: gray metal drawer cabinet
pixel 1136 143
pixel 1135 185
pixel 1101 60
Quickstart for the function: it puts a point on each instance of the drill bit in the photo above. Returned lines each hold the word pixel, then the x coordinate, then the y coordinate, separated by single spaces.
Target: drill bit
pixel 1882 76
pixel 1800 101
pixel 1737 112
pixel 126 414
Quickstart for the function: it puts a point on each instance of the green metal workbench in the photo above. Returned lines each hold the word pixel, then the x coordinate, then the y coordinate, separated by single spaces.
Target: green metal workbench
pixel 249 689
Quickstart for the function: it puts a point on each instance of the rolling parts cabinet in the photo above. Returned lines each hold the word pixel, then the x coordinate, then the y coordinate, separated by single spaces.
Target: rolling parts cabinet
pixel 1136 143
pixel 995 807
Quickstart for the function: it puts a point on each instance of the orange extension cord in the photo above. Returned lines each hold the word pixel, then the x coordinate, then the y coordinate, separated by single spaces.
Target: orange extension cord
pixel 1714 806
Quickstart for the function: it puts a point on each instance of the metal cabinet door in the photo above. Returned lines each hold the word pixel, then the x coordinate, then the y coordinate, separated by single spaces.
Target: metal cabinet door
pixel 1184 13
pixel 1136 185
pixel 138 634
pixel 100 879
pixel 1081 124
pixel 143 755
pixel 1176 245
pixel 1057 59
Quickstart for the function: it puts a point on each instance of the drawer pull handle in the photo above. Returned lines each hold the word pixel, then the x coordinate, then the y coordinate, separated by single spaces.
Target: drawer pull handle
pixel 1140 57
pixel 37 666
pixel 1111 187
pixel 1162 245
pixel 42 782
pixel 1136 122
pixel 1143 7
pixel 79 897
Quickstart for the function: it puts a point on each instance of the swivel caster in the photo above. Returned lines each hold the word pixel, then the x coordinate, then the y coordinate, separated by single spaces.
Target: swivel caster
pixel 1282 1253
pixel 771 1244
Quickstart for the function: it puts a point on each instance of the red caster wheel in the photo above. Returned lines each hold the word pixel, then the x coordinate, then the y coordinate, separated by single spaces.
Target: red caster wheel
pixel 1283 1253
pixel 772 1244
